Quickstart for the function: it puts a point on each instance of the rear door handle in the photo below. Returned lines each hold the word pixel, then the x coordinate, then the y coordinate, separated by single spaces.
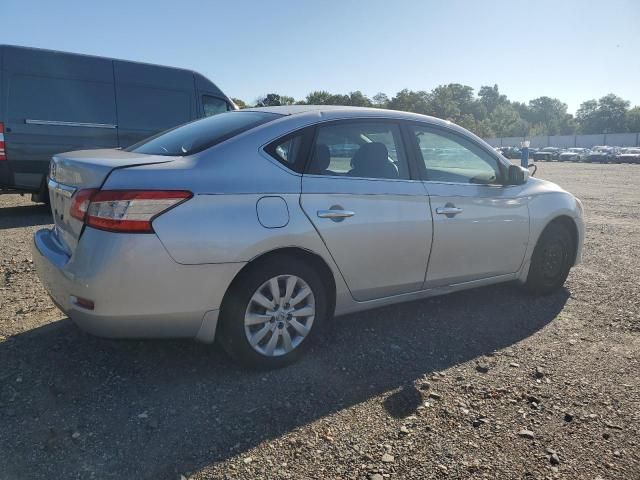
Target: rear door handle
pixel 335 215
pixel 448 211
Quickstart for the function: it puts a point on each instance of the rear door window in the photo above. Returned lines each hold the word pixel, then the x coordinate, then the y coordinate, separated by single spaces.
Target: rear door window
pixel 365 149
pixel 202 134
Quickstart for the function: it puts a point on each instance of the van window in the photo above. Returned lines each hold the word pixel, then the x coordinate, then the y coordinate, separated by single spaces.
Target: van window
pixel 202 134
pixel 60 99
pixel 213 105
pixel 148 108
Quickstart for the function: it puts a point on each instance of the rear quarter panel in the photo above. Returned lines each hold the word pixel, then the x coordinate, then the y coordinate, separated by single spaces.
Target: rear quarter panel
pixel 220 223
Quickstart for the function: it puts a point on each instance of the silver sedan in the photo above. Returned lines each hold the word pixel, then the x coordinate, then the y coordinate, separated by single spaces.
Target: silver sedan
pixel 256 226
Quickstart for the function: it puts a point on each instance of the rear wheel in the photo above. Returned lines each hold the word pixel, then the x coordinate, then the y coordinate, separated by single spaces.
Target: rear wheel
pixel 551 260
pixel 273 312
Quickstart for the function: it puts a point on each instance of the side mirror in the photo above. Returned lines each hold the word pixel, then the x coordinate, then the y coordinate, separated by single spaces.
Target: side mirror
pixel 517 175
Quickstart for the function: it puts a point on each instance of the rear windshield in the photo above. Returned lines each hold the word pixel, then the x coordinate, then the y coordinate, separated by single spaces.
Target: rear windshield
pixel 199 135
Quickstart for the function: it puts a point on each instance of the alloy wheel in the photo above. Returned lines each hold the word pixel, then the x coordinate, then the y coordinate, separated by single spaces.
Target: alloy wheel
pixel 279 315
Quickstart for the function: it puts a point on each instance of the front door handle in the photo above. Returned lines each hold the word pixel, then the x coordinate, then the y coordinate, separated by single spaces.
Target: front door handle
pixel 335 214
pixel 448 211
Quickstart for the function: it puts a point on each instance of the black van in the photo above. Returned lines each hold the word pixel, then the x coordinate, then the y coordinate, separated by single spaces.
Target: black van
pixel 53 102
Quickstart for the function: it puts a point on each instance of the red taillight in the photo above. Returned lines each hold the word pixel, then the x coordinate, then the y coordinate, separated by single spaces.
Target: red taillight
pixel 80 203
pixel 124 210
pixel 3 152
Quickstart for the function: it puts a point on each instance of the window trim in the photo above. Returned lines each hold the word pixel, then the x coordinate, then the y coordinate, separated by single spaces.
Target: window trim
pixel 300 162
pixel 437 129
pixel 217 97
pixel 412 173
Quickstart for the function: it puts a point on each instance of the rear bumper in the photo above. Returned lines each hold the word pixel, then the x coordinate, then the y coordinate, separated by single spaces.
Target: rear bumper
pixel 138 290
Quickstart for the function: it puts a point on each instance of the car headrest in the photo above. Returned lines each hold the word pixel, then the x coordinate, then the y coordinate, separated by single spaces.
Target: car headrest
pixel 372 160
pixel 321 159
pixel 370 155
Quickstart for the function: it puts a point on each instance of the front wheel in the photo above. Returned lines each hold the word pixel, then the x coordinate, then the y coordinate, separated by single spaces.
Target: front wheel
pixel 273 313
pixel 551 260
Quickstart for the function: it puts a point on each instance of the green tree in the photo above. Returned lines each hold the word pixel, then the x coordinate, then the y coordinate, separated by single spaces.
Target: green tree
pixel 239 103
pixel 491 98
pixel 380 100
pixel 451 102
pixel 488 114
pixel 484 129
pixel 409 101
pixel 549 112
pixel 568 125
pixel 506 122
pixel 269 100
pixel 319 97
pixel 612 111
pixel 607 115
pixel 587 116
pixel 633 119
pixel 358 99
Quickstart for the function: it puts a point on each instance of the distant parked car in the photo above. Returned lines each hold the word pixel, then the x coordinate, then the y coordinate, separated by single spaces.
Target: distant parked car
pixel 628 155
pixel 601 154
pixel 573 155
pixel 547 153
pixel 245 228
pixel 511 152
pixel 52 102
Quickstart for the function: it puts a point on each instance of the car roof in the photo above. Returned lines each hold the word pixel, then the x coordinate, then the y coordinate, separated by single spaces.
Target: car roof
pixel 314 113
pixel 336 110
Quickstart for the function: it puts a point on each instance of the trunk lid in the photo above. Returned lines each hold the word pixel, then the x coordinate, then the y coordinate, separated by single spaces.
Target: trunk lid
pixel 74 171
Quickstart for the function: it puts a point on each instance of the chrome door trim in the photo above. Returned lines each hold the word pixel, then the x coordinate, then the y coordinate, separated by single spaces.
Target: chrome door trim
pixel 448 211
pixel 64 190
pixel 60 123
pixel 335 214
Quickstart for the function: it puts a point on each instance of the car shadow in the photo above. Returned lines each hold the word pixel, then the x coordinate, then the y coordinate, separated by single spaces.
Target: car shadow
pixel 75 405
pixel 25 216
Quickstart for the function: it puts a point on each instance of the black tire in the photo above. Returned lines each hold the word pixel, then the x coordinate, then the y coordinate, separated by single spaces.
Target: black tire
pixel 42 196
pixel 551 261
pixel 231 331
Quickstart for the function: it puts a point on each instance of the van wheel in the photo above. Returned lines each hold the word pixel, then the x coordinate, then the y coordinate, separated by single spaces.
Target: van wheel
pixel 551 260
pixel 273 312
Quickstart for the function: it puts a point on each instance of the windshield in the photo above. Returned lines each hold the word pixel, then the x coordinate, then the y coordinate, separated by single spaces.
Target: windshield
pixel 196 136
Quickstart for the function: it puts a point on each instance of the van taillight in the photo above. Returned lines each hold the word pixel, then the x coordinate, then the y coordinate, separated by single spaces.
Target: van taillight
pixel 129 211
pixel 3 151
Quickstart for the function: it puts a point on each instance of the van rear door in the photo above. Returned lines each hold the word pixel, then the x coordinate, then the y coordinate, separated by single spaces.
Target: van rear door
pixel 56 102
pixel 150 99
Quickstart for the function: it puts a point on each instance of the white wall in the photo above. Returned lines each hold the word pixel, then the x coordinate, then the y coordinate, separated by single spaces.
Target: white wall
pixel 566 141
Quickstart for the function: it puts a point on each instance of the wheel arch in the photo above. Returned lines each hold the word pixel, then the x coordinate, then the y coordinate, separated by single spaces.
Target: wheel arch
pixel 569 223
pixel 299 253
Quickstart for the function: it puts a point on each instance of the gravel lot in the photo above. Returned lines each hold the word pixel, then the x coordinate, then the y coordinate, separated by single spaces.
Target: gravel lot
pixel 486 383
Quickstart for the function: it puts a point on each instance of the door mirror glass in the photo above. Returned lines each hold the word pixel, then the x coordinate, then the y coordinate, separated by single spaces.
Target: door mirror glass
pixel 517 175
